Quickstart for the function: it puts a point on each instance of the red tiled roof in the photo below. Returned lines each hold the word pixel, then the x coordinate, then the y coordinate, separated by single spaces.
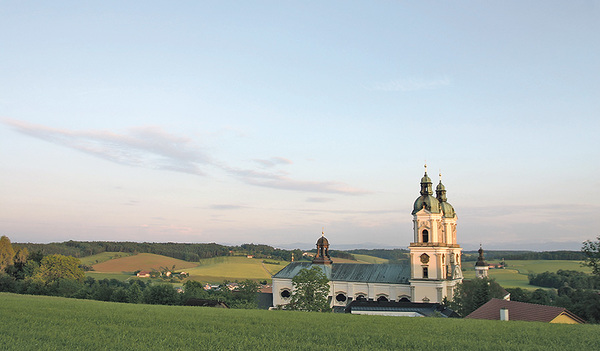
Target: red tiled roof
pixel 520 311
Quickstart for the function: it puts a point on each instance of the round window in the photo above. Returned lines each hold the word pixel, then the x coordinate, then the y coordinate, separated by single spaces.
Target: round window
pixel 285 293
pixel 340 298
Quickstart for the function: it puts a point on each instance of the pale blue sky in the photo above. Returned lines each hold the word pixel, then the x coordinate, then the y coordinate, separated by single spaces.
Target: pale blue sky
pixel 264 121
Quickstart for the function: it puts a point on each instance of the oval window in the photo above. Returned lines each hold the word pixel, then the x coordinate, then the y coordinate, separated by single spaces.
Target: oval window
pixel 285 293
pixel 340 298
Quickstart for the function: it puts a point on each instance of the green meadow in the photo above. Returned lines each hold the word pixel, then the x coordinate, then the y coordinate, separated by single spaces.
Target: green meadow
pixel 517 271
pixel 51 323
pixel 218 269
pixel 370 259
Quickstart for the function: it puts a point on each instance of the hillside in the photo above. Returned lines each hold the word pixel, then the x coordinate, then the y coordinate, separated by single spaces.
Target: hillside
pixel 516 273
pixel 143 261
pixel 218 269
pixel 52 323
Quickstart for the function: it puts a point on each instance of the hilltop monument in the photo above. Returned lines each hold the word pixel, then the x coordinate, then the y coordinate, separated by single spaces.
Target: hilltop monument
pixel 431 275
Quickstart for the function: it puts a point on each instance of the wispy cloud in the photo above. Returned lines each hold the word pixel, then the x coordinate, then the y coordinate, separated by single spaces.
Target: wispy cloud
pixel 411 84
pixel 319 199
pixel 148 147
pixel 153 148
pixel 226 207
pixel 273 161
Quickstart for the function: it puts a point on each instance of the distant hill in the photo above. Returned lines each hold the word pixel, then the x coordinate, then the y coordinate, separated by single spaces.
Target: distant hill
pixel 143 261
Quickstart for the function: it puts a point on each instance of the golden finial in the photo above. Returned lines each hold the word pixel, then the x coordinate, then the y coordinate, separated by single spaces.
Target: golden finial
pixel 323 231
pixel 425 166
pixel 440 175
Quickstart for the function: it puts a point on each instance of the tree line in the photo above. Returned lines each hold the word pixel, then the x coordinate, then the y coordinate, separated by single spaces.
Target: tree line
pixel 36 273
pixel 525 255
pixel 183 251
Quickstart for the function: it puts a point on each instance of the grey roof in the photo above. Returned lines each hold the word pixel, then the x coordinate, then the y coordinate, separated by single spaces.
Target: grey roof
pixel 353 272
pixel 425 309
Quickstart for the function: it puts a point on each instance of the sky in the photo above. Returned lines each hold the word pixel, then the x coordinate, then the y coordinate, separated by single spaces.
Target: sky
pixel 272 121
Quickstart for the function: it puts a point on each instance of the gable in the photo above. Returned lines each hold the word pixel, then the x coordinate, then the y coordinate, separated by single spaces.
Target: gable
pixel 520 311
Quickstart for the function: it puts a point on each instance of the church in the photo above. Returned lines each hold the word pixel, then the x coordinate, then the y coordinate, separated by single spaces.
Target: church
pixel 432 273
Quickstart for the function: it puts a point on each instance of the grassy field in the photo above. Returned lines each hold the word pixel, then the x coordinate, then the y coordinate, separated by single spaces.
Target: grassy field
pixel 102 257
pixel 215 270
pixel 515 275
pixel 143 261
pixel 51 323
pixel 117 276
pixel 370 259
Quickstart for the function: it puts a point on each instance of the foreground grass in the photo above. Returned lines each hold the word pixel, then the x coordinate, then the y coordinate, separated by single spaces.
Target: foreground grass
pixel 51 323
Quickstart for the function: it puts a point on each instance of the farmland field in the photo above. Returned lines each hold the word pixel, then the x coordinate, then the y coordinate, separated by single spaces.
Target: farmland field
pixel 117 276
pixel 143 261
pixel 370 259
pixel 515 275
pixel 217 269
pixel 102 257
pixel 51 323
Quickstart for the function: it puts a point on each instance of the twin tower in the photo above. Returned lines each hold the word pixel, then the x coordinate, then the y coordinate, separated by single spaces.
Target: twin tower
pixel 435 255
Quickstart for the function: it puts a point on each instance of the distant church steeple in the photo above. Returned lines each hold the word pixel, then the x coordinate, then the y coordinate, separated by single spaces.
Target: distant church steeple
pixel 322 256
pixel 481 267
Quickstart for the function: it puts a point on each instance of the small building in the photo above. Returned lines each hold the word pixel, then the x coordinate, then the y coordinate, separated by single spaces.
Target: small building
pixel 143 274
pixel 497 309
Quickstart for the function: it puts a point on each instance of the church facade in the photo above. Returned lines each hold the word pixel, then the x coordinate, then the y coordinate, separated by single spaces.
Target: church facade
pixel 431 274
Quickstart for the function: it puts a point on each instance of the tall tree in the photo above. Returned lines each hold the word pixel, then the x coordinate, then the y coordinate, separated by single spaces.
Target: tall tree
pixel 311 289
pixel 472 294
pixel 591 249
pixel 7 253
pixel 55 267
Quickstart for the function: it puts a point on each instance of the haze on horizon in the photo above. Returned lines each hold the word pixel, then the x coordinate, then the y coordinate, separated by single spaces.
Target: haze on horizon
pixel 263 122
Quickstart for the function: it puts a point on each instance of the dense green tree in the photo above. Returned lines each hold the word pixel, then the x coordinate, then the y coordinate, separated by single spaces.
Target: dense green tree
pixel 134 293
pixel 591 249
pixel 55 267
pixel 194 289
pixel 161 294
pixel 7 253
pixel 311 289
pixel 472 294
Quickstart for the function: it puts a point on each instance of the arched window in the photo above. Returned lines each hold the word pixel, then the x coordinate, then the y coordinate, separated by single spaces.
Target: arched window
pixel 425 236
pixel 403 299
pixel 360 298
pixel 341 297
pixel 382 298
pixel 285 293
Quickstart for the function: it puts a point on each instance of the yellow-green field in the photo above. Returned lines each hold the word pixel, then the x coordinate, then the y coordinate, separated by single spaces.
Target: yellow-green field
pixel 370 259
pixel 215 270
pixel 515 275
pixel 51 323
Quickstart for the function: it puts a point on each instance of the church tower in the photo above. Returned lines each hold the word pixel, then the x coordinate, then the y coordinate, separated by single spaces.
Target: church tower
pixel 481 267
pixel 322 256
pixel 435 255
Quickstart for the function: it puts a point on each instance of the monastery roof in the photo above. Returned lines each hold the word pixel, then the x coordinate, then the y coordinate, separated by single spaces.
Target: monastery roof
pixel 353 272
pixel 422 308
pixel 521 311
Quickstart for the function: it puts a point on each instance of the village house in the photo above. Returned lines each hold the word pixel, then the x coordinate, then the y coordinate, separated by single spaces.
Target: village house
pixel 497 309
